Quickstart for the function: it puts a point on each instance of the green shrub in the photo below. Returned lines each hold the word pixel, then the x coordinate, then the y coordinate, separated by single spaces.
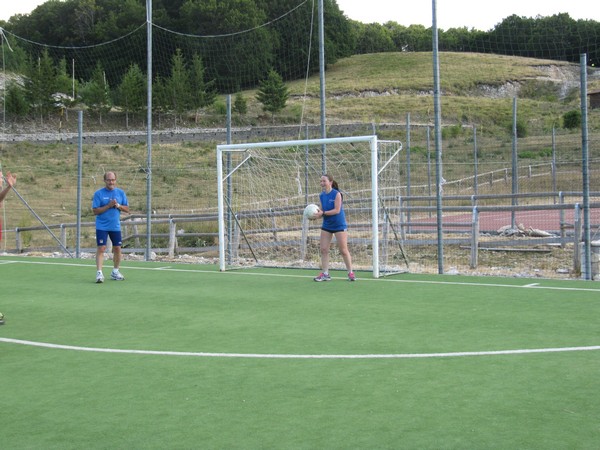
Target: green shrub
pixel 26 236
pixel 521 128
pixel 539 90
pixel 220 108
pixel 240 105
pixel 535 154
pixel 451 132
pixel 572 119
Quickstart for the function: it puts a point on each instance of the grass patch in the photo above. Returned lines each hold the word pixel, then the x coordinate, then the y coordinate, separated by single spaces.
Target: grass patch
pixel 82 399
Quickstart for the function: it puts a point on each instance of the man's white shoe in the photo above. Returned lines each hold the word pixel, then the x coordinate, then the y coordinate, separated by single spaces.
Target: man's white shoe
pixel 99 277
pixel 116 275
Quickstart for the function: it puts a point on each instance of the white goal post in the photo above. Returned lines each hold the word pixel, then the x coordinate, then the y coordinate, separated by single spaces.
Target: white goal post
pixel 264 187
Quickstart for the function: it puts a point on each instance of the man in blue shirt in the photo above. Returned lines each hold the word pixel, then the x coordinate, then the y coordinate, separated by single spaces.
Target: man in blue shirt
pixel 107 204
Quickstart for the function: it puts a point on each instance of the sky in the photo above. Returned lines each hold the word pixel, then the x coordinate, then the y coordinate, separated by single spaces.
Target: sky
pixel 479 14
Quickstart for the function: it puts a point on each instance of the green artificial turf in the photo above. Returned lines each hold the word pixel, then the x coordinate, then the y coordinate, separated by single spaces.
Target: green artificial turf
pixel 265 358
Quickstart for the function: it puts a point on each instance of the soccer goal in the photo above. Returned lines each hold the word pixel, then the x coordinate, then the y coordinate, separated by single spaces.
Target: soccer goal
pixel 264 187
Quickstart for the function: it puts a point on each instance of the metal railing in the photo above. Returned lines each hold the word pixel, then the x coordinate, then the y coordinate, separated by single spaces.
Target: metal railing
pixel 464 220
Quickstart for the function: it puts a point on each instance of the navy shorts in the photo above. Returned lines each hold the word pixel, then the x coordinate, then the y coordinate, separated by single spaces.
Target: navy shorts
pixel 334 231
pixel 103 236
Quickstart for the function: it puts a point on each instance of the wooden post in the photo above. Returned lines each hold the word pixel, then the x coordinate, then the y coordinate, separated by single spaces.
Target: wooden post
pixel 563 225
pixel 172 238
pixel 63 235
pixel 273 224
pixel 474 238
pixel 304 239
pixel 577 241
pixel 19 241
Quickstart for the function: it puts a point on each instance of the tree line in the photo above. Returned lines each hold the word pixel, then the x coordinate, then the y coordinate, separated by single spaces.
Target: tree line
pixel 557 37
pixel 88 22
pixel 201 46
pixel 44 87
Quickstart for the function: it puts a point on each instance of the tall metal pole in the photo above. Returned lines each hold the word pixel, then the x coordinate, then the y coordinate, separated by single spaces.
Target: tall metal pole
pixel 2 38
pixel 229 194
pixel 306 164
pixel 149 132
pixel 408 186
pixel 438 139
pixel 585 168
pixel 322 84
pixel 429 166
pixel 475 163
pixel 73 78
pixel 554 188
pixel 79 177
pixel 515 166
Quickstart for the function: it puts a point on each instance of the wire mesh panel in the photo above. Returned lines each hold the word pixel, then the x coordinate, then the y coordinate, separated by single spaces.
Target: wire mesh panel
pixel 264 188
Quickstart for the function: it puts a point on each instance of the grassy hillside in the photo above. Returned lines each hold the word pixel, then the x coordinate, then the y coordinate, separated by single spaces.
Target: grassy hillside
pixel 478 90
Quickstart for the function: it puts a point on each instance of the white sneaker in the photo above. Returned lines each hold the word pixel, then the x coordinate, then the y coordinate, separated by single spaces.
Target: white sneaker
pixel 116 275
pixel 99 277
pixel 322 277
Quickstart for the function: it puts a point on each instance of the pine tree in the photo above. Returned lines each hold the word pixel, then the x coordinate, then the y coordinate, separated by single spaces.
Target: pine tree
pixel 240 105
pixel 40 84
pixel 273 93
pixel 16 103
pixel 132 92
pixel 96 93
pixel 203 92
pixel 66 89
pixel 178 85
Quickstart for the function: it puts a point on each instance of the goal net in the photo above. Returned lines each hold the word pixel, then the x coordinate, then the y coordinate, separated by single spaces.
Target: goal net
pixel 264 187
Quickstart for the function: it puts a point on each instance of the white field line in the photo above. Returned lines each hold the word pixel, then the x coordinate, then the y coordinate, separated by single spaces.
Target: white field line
pixel 366 279
pixel 297 356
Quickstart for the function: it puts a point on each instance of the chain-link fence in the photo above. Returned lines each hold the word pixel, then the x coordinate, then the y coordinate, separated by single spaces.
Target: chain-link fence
pixel 525 224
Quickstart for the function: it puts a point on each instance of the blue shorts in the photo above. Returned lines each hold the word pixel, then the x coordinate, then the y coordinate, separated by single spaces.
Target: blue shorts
pixel 102 238
pixel 334 231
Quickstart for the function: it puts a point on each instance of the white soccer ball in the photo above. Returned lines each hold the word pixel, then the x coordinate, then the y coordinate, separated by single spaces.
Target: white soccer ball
pixel 310 212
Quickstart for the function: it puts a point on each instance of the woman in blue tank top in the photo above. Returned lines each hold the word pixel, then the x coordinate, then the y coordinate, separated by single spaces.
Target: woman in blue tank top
pixel 334 223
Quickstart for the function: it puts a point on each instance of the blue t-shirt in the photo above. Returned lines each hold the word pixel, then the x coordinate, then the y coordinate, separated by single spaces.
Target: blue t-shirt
pixel 336 222
pixel 109 220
